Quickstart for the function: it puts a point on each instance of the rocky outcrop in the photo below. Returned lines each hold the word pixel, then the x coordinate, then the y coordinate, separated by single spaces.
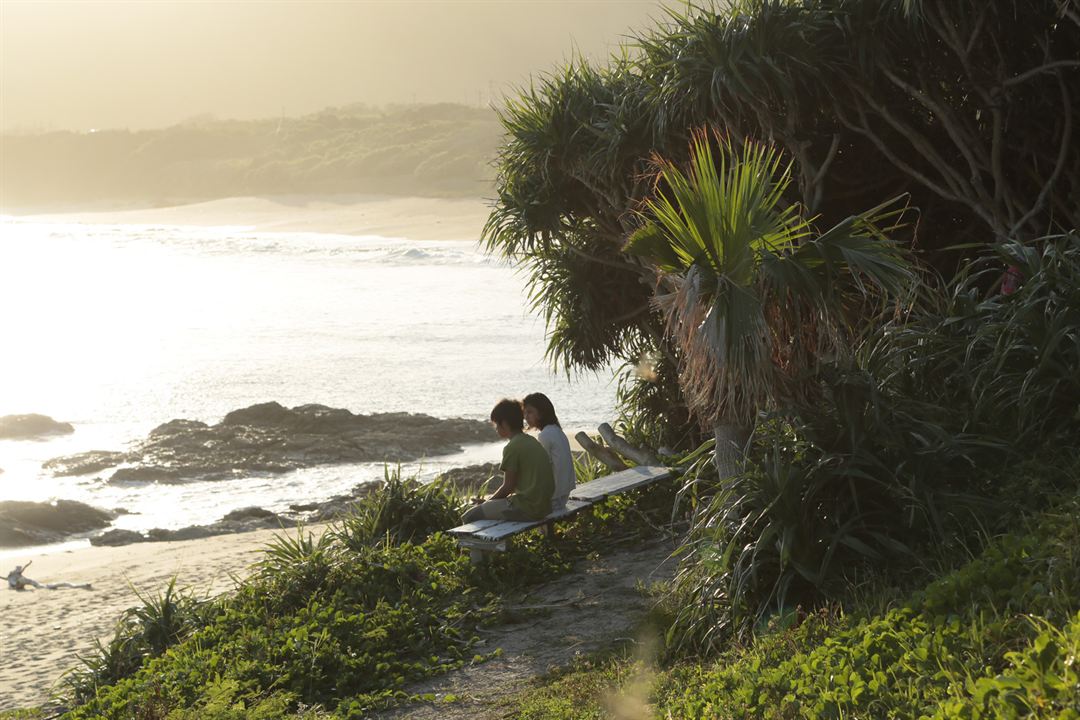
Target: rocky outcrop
pixel 473 479
pixel 39 523
pixel 245 519
pixel 32 426
pixel 84 463
pixel 269 438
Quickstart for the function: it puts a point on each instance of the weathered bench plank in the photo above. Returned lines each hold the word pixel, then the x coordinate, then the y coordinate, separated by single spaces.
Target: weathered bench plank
pixel 488 535
pixel 497 530
pixel 470 528
pixel 619 482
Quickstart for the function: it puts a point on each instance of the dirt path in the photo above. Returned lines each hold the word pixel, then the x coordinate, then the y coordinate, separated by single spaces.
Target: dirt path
pixel 577 614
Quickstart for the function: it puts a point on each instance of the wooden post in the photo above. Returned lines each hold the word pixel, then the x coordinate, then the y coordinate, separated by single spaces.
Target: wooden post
pixel 601 453
pixel 620 445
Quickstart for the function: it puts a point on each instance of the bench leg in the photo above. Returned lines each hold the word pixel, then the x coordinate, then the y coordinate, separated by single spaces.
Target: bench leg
pixel 476 556
pixel 549 530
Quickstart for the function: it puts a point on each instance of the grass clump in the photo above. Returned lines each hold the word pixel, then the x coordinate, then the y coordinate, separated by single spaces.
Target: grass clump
pixel 404 510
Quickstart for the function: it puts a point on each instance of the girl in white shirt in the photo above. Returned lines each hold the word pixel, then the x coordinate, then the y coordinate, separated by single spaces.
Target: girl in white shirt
pixel 540 414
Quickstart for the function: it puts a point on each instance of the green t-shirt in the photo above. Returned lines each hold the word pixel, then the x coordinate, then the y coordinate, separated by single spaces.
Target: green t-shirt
pixel 527 458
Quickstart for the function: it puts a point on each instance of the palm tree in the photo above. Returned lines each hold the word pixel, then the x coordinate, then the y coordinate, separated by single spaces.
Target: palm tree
pixel 753 297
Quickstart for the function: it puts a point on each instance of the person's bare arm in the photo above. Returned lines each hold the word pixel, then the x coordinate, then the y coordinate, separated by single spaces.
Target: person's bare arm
pixel 508 486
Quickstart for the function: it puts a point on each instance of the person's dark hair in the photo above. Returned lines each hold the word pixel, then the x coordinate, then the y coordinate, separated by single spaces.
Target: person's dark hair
pixel 543 407
pixel 508 412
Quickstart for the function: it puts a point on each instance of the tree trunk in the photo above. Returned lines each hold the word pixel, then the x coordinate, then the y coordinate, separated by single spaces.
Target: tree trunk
pixel 730 449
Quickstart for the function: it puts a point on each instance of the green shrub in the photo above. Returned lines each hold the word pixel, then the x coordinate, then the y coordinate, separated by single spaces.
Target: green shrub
pixel 1042 680
pixel 402 510
pixel 382 616
pixel 965 645
pixel 143 632
pixel 344 621
pixel 1004 363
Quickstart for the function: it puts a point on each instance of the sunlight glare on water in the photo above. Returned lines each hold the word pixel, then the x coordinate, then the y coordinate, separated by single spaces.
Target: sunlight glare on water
pixel 118 329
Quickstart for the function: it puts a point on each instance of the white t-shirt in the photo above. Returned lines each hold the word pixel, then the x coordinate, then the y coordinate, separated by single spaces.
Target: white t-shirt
pixel 562 463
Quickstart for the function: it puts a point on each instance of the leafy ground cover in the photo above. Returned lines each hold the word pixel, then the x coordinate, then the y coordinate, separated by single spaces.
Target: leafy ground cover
pixel 338 625
pixel 995 638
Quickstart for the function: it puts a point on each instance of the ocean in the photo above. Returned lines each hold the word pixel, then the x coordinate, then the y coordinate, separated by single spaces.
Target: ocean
pixel 119 328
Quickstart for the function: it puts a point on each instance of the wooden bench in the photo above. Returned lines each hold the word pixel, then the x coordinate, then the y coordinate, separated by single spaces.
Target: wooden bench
pixel 485 536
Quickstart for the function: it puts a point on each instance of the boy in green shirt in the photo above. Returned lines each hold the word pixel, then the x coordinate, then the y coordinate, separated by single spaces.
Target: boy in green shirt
pixel 528 482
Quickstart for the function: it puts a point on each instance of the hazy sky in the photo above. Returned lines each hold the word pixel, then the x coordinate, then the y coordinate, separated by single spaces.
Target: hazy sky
pixel 149 63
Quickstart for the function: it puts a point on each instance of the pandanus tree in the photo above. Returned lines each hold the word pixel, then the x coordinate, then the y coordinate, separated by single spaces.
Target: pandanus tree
pixel 752 294
pixel 969 108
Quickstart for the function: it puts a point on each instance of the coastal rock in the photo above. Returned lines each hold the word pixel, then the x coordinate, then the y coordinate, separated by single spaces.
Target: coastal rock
pixel 27 427
pixel 270 438
pixel 38 523
pixel 341 505
pixel 237 521
pixel 257 518
pixel 250 513
pixel 192 532
pixel 116 537
pixel 145 474
pixel 84 463
pixel 477 479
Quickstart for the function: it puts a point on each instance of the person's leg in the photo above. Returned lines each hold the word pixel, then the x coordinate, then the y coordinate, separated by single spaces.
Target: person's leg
pixel 493 510
pixel 490 510
pixel 476 512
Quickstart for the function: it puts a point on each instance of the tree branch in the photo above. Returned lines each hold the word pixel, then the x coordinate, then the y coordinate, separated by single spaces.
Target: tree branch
pixel 954 133
pixel 920 144
pixel 1063 151
pixel 1025 76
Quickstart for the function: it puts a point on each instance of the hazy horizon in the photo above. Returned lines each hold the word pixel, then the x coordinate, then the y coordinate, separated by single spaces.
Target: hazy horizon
pixel 109 64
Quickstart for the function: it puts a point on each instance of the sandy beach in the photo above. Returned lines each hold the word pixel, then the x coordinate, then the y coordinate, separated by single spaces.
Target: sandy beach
pixel 416 218
pixel 42 631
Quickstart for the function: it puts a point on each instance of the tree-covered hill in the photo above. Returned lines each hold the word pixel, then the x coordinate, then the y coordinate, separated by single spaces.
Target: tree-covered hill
pixel 433 150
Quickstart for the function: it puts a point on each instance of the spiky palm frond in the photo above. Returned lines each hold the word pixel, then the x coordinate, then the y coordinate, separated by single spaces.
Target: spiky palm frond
pixel 754 298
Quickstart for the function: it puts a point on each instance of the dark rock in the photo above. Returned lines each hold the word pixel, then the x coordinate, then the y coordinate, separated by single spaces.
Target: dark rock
pixel 116 537
pixel 341 505
pixel 178 427
pixel 256 518
pixel 485 477
pixel 478 479
pixel 38 523
pixel 250 513
pixel 145 475
pixel 24 427
pixel 193 532
pixel 84 463
pixel 269 438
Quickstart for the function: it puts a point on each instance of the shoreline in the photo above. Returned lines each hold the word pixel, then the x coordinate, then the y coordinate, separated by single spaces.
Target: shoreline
pixel 389 216
pixel 44 630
